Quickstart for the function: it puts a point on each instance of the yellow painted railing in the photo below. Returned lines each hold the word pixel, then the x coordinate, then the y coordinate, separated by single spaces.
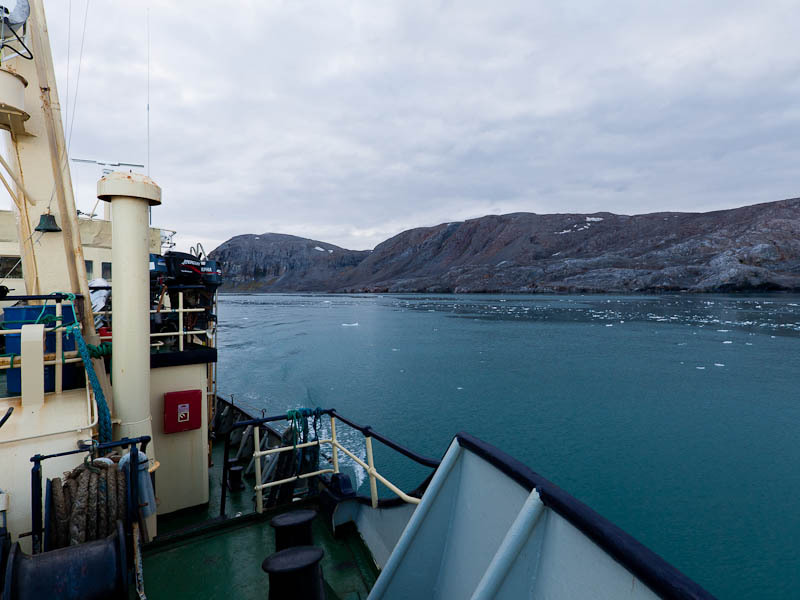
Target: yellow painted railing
pixel 333 442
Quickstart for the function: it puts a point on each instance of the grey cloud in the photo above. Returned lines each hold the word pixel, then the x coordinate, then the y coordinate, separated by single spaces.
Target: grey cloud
pixel 350 121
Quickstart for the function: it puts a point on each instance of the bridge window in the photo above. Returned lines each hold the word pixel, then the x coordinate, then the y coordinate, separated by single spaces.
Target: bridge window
pixel 11 267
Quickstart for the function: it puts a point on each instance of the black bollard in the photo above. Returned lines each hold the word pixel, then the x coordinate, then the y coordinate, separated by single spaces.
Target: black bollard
pixel 293 529
pixel 295 573
pixel 235 478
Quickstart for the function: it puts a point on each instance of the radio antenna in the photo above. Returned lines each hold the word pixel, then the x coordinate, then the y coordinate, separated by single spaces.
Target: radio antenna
pixel 148 91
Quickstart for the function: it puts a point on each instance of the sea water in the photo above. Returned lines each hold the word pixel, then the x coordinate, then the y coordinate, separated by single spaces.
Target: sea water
pixel 677 417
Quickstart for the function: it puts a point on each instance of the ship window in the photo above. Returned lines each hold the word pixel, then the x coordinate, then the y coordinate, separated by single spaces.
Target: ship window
pixel 107 271
pixel 10 266
pixel 89 269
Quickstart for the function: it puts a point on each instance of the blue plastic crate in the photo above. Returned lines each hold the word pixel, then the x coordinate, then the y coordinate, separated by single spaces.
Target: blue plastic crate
pixel 14 317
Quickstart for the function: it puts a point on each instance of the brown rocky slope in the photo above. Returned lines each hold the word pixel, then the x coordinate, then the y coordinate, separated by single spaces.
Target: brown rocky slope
pixel 754 248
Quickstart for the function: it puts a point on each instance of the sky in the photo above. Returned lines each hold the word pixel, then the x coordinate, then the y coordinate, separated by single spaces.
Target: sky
pixel 351 121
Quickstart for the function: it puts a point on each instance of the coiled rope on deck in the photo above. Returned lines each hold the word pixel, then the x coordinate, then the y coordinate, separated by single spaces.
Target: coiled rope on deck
pixel 87 503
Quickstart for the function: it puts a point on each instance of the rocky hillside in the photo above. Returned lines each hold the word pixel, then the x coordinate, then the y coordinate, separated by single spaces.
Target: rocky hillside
pixel 751 248
pixel 277 263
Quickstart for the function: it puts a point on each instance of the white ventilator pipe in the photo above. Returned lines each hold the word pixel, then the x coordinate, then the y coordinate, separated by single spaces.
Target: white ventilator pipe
pixel 130 195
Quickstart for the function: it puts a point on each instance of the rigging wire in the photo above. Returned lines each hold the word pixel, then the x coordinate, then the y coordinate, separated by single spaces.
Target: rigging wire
pixel 65 157
pixel 69 46
pixel 78 77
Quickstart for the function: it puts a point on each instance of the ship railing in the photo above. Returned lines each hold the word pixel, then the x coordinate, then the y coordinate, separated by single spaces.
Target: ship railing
pixel 181 333
pixel 335 446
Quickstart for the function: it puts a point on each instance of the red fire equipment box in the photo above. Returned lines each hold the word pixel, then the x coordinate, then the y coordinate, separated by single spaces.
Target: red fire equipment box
pixel 182 410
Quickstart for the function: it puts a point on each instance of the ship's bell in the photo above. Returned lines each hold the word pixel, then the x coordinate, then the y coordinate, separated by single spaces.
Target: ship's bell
pixel 47 223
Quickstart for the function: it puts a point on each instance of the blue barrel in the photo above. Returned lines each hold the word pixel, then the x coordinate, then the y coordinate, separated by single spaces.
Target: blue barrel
pixel 14 317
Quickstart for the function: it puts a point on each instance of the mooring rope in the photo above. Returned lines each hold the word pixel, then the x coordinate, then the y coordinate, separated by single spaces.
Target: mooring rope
pixel 103 414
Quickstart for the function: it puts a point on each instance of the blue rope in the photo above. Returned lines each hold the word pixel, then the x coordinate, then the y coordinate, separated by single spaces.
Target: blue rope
pixel 104 416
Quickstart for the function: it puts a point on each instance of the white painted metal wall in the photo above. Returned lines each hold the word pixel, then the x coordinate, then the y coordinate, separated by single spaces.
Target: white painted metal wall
pixel 479 535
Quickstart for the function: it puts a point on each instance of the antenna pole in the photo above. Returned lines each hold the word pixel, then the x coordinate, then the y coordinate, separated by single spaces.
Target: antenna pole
pixel 148 92
pixel 149 211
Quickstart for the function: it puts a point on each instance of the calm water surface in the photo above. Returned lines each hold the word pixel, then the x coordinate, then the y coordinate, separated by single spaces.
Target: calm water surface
pixel 677 417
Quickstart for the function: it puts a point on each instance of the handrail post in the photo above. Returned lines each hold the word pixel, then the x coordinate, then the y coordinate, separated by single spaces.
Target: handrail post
pixel 59 370
pixel 257 449
pixel 36 504
pixel 180 321
pixel 224 485
pixel 333 445
pixel 373 484
pixel 133 487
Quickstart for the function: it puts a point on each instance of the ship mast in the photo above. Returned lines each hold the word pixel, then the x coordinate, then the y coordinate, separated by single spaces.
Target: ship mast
pixel 39 167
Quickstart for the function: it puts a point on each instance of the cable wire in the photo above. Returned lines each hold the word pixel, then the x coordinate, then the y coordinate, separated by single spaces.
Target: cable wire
pixel 69 47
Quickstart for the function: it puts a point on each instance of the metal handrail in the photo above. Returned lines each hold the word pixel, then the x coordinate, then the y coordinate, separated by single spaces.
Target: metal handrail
pixel 368 433
pixel 180 311
pixel 367 430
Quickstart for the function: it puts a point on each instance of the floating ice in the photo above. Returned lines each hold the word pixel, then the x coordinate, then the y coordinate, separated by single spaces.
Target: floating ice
pixel 727 342
pixel 349 324
pixel 700 368
pixel 459 388
pixel 719 364
pixel 394 349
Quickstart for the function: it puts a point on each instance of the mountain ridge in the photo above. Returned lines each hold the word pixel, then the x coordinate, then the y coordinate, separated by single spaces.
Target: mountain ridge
pixel 751 248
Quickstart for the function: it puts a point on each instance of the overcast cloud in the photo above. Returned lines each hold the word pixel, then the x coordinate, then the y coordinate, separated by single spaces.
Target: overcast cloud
pixel 349 122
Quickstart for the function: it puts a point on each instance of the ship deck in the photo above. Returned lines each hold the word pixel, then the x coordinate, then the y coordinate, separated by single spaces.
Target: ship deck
pixel 199 555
